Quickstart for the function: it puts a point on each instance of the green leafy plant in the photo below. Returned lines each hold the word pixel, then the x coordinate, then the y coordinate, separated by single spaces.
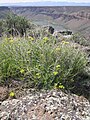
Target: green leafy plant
pixel 41 62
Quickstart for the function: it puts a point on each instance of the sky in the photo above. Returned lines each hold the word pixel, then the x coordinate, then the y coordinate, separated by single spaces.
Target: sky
pixel 17 1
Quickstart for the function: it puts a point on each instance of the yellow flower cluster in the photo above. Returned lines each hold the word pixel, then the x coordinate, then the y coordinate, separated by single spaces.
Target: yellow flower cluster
pixel 57 49
pixel 64 42
pixel 12 94
pixel 22 71
pixel 31 38
pixel 45 39
pixel 58 66
pixel 11 41
pixel 38 75
pixel 60 86
pixel 55 73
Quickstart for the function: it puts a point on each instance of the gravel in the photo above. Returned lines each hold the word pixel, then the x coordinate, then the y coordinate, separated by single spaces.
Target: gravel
pixel 46 105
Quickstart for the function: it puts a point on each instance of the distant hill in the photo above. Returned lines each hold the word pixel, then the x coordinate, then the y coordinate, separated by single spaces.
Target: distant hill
pixel 3 12
pixel 75 18
pixel 46 3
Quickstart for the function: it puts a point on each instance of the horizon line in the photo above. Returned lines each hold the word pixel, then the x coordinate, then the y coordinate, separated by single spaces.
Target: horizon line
pixel 45 1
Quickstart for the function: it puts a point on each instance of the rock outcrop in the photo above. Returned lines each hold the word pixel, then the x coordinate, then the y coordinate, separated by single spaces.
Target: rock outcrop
pixel 46 105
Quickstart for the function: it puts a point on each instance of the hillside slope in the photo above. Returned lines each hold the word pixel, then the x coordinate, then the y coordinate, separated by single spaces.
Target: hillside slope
pixel 74 18
pixel 3 12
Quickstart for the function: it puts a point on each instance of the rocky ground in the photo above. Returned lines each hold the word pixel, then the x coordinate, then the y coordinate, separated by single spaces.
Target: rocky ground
pixel 45 105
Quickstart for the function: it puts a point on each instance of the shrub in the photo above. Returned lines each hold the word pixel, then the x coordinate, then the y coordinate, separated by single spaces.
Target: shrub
pixel 16 25
pixel 78 38
pixel 44 63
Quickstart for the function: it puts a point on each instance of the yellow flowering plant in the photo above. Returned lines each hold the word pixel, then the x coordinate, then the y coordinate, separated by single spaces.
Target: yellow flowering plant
pixel 22 71
pixel 45 39
pixel 12 94
pixel 55 73
pixel 31 38
pixel 65 42
pixel 39 63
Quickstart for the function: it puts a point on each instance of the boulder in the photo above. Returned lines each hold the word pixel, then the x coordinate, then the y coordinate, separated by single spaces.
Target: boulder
pixel 51 30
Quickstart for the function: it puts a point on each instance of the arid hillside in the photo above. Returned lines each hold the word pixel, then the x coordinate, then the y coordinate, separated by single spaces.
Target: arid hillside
pixel 3 12
pixel 73 18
